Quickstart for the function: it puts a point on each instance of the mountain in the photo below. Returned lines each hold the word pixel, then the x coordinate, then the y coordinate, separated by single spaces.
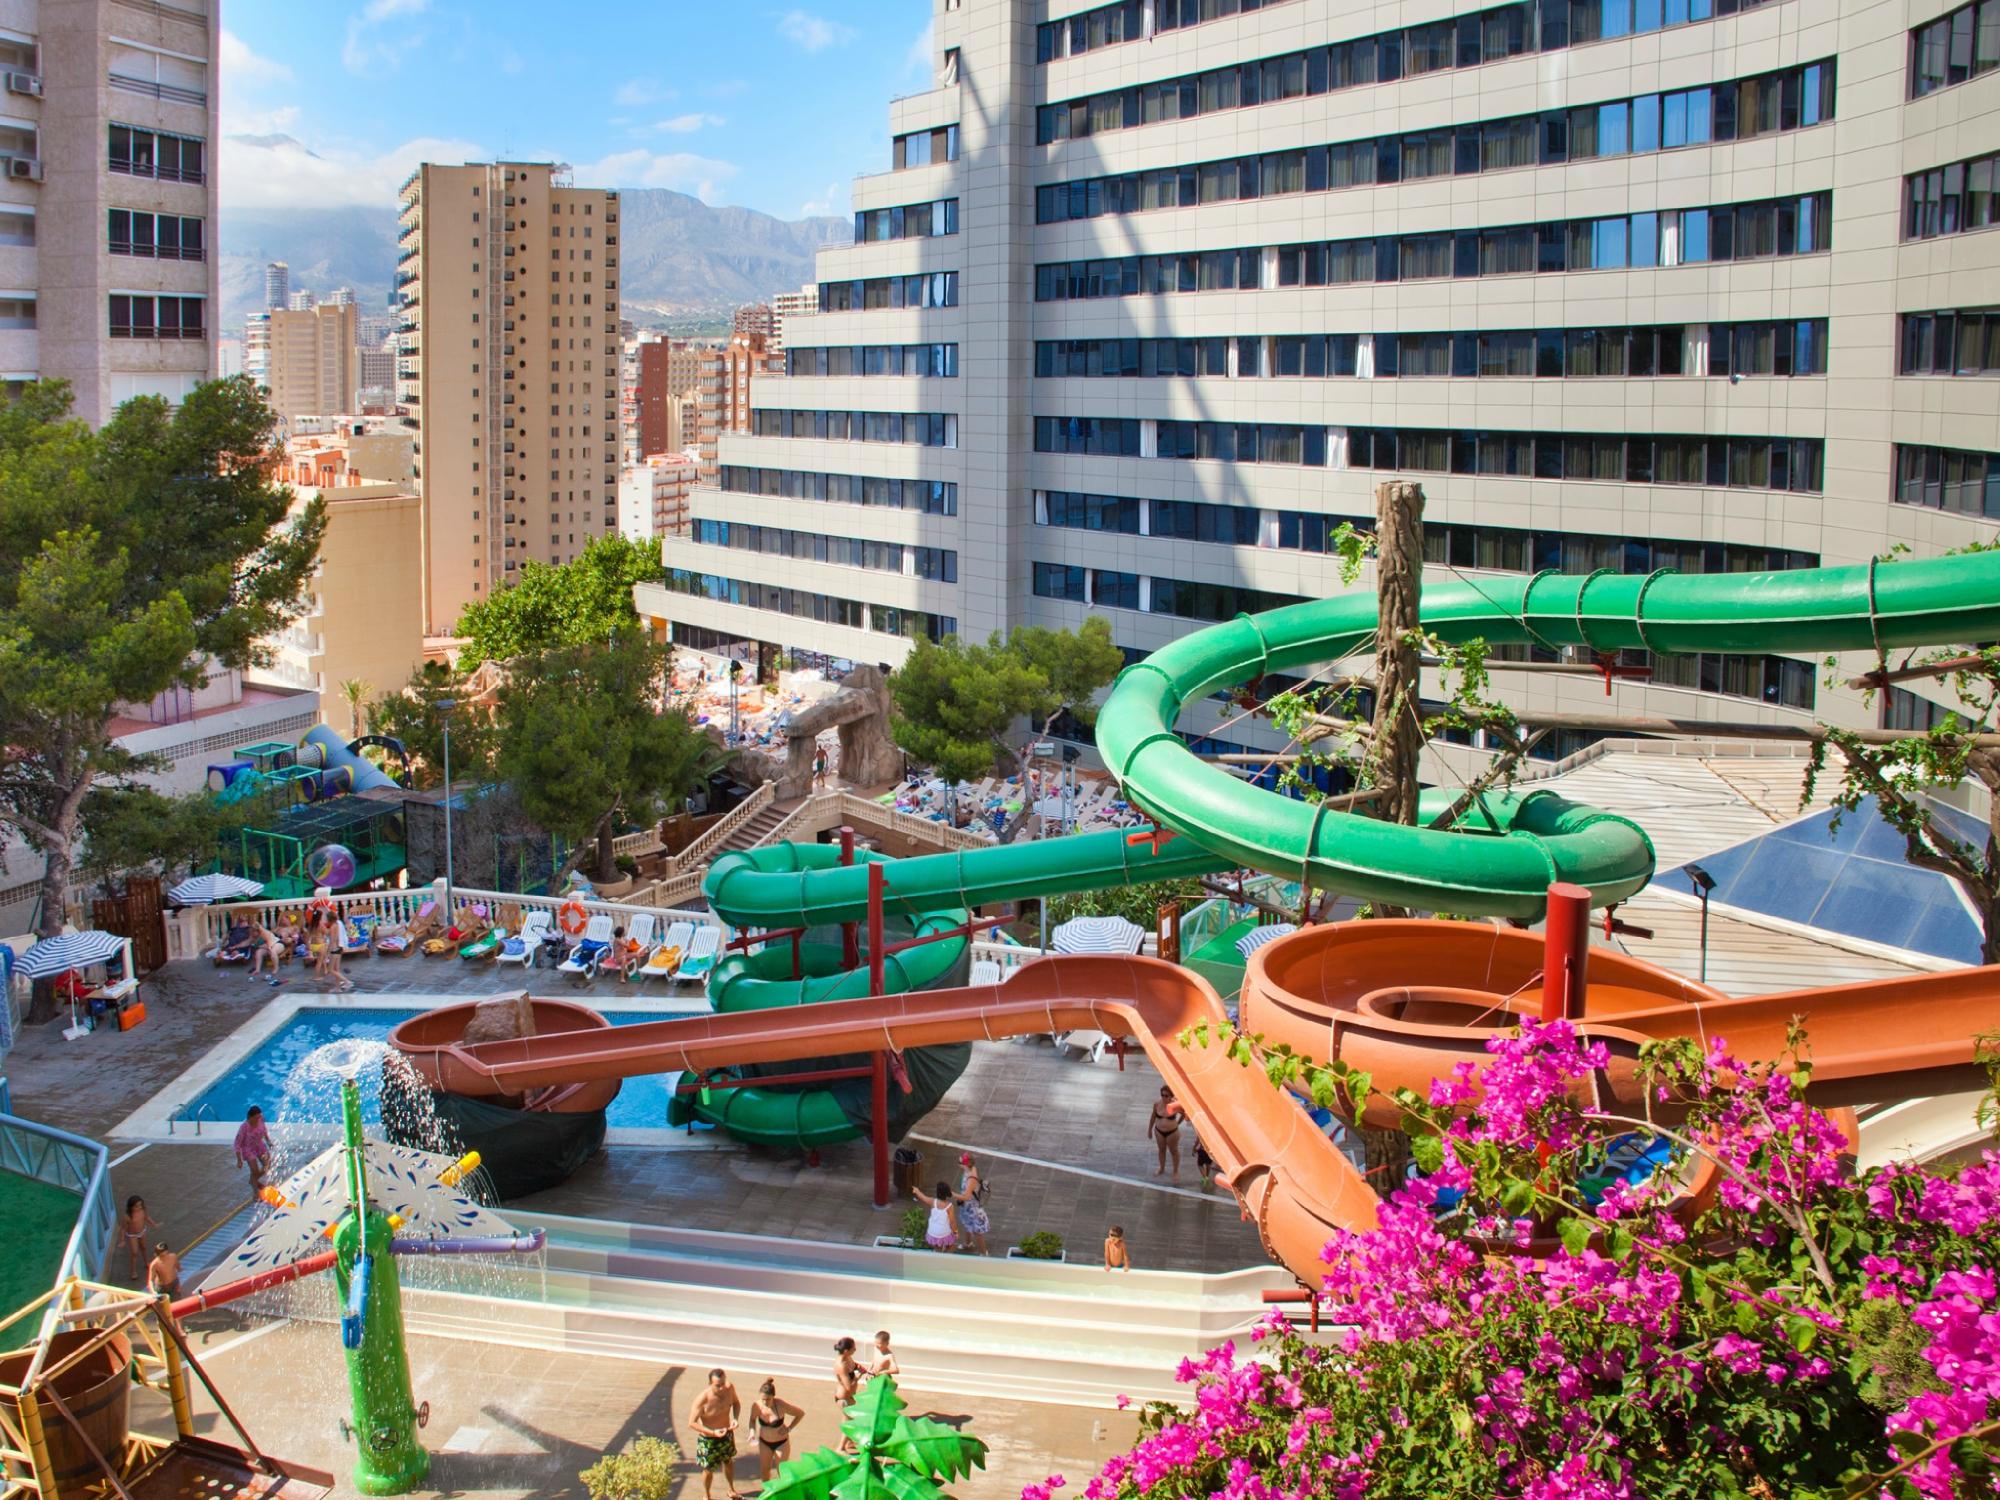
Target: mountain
pixel 680 259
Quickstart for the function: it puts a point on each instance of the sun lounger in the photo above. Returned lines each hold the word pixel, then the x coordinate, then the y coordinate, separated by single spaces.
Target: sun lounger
pixel 525 946
pixel 581 965
pixel 667 957
pixel 629 953
pixel 486 945
pixel 700 957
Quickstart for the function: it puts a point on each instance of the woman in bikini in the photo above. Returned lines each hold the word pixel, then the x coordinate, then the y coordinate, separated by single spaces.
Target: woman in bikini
pixel 1164 1126
pixel 774 1418
pixel 847 1373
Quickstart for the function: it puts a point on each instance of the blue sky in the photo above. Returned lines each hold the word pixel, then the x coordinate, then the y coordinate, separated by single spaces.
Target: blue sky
pixel 768 106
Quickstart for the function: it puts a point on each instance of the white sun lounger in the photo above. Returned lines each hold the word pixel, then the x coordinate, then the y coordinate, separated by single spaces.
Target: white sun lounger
pixel 666 958
pixel 700 958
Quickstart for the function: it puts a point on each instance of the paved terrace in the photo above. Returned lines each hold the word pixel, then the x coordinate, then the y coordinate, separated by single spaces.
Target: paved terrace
pixel 1062 1140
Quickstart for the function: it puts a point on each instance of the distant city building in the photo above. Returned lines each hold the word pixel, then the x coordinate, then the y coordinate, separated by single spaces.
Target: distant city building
pixel 257 348
pixel 722 391
pixel 277 286
pixel 653 496
pixel 755 320
pixel 666 371
pixel 314 366
pixel 108 198
pixel 378 367
pixel 340 296
pixel 509 366
pixel 301 301
pixel 228 356
pixel 799 304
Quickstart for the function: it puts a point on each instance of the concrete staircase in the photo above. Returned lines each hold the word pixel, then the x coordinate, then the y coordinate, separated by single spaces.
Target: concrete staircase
pixel 755 831
pixel 1026 1330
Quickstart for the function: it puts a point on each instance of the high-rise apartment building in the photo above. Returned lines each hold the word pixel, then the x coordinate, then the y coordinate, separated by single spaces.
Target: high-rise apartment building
pixel 653 496
pixel 722 391
pixel 1154 296
pixel 755 320
pixel 314 366
pixel 509 361
pixel 277 286
pixel 664 371
pixel 257 348
pixel 301 301
pixel 340 296
pixel 107 198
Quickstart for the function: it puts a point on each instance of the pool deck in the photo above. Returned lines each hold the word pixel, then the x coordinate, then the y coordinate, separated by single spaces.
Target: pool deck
pixel 509 1424
pixel 1062 1140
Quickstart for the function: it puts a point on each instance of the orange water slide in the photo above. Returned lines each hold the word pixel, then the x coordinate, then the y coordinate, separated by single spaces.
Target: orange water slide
pixel 1408 1000
pixel 1405 1000
pixel 1292 1181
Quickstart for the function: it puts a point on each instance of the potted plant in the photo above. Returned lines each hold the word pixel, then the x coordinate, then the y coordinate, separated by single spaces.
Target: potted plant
pixel 644 1471
pixel 1043 1244
pixel 912 1236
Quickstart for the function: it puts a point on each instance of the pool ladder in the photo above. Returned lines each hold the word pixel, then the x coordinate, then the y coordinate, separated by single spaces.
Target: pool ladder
pixel 173 1125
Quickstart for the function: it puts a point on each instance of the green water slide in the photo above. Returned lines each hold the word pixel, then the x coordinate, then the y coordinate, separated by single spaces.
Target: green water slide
pixel 1497 860
pixel 1501 863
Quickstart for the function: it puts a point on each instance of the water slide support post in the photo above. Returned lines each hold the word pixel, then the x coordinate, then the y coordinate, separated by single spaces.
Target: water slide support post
pixel 1565 952
pixel 878 1084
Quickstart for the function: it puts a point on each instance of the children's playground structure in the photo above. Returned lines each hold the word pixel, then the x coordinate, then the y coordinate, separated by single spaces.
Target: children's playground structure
pixel 64 1398
pixel 815 977
pixel 319 829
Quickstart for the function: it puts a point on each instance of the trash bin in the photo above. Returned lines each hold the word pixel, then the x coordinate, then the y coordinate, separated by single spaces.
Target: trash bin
pixel 906 1170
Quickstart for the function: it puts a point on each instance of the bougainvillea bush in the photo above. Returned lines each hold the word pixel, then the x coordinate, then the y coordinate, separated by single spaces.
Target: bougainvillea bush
pixel 1808 1333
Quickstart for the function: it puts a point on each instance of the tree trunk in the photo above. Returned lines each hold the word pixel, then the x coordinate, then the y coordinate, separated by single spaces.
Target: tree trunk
pixel 607 851
pixel 1397 735
pixel 55 885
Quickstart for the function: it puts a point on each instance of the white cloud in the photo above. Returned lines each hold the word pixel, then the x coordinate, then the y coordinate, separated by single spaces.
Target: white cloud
pixel 918 61
pixel 688 124
pixel 278 172
pixel 811 33
pixel 833 200
pixel 682 171
pixel 243 68
pixel 640 91
pixel 368 48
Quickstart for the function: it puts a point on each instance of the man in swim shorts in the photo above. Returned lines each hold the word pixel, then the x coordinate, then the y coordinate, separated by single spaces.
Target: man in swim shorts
pixel 713 1418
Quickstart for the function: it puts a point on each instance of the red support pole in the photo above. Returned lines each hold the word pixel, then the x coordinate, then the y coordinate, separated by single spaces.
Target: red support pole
pixel 850 933
pixel 1565 953
pixel 876 938
pixel 797 971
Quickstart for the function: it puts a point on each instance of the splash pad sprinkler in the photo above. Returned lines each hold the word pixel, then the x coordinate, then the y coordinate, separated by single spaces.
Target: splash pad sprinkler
pixel 385 1416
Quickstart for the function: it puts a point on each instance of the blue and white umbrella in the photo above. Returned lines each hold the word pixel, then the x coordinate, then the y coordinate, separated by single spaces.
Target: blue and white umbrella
pixel 1257 937
pixel 1098 935
pixel 73 950
pixel 206 890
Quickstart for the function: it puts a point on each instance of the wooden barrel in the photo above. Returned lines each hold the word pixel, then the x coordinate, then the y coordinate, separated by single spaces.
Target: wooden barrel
pixel 98 1392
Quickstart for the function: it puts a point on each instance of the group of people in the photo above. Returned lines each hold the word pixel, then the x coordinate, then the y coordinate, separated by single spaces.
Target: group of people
pixel 717 1409
pixel 163 1270
pixel 953 1213
pixel 321 941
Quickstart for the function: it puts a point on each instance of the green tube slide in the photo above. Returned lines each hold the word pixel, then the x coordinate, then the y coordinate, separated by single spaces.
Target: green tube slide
pixel 1501 863
pixel 1498 859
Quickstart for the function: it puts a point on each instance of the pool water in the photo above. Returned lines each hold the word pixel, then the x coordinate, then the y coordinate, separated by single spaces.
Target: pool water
pixel 260 1078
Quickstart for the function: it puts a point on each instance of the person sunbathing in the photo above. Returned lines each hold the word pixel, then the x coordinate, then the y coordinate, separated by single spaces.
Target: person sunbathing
pixel 237 945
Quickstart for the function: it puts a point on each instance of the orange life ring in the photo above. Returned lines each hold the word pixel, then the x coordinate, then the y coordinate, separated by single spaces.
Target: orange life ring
pixel 572 918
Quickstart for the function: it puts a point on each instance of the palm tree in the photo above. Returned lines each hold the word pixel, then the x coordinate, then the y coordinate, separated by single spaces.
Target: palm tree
pixel 895 1457
pixel 356 692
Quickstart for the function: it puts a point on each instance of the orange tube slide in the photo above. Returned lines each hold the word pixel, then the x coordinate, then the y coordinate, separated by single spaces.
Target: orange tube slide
pixel 1405 1000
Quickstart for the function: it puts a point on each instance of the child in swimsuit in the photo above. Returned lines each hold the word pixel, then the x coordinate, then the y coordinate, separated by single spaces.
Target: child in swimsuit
pixel 1164 1126
pixel 774 1418
pixel 136 1221
pixel 163 1276
pixel 1116 1256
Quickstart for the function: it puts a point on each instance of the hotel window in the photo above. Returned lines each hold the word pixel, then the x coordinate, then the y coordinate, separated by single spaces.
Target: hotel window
pixel 17 312
pixel 923 147
pixel 155 153
pixel 913 221
pixel 1964 342
pixel 1955 199
pixel 165 236
pixel 1959 45
pixel 17 226
pixel 1948 479
pixel 144 316
pixel 1781 348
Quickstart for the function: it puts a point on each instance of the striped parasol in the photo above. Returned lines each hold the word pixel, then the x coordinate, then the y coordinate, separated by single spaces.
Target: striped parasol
pixel 1257 937
pixel 1097 935
pixel 206 890
pixel 73 950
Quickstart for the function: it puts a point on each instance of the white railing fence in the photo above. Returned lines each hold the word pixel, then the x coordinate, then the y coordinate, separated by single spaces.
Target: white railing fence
pixel 197 931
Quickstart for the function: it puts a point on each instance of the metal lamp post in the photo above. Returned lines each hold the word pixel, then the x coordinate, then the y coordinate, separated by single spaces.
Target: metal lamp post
pixel 444 708
pixel 1703 883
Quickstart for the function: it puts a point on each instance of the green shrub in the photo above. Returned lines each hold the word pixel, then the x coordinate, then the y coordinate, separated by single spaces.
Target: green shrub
pixel 1043 1244
pixel 915 1221
pixel 644 1471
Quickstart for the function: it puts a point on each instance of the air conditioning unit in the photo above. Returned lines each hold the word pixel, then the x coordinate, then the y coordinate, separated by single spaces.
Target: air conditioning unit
pixel 24 83
pixel 24 168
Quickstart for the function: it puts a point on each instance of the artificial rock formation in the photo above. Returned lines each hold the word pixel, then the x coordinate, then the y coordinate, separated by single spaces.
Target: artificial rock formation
pixel 859 709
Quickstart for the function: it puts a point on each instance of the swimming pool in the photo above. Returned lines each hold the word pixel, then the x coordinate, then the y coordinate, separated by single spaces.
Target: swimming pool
pixel 260 1077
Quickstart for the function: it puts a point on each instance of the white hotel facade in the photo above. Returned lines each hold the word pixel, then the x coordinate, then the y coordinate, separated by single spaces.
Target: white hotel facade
pixel 1157 292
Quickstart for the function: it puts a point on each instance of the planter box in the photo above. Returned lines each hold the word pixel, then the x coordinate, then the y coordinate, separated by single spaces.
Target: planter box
pixel 897 1242
pixel 1014 1252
